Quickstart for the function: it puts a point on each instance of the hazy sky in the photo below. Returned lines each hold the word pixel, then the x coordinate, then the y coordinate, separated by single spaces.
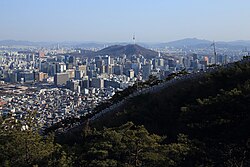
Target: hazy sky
pixel 118 20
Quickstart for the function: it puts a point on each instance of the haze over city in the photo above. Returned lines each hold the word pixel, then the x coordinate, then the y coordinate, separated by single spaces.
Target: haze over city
pixel 117 21
pixel 124 83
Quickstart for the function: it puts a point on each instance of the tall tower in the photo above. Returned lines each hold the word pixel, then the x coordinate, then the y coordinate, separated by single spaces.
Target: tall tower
pixel 215 54
pixel 134 39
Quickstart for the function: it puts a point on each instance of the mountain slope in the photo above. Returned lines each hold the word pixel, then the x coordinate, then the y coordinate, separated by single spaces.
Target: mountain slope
pixel 212 110
pixel 118 50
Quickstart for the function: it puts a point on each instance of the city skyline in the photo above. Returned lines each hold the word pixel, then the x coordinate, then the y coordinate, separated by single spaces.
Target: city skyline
pixel 112 21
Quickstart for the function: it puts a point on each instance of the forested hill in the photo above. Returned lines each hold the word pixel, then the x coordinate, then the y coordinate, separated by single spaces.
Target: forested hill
pixel 198 121
pixel 129 50
pixel 212 109
pixel 161 110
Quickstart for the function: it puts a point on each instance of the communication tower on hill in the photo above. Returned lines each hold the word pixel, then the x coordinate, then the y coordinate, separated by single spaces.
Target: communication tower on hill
pixel 134 39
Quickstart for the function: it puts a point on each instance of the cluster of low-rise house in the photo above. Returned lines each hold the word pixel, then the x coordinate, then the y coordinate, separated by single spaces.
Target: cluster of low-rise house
pixel 51 105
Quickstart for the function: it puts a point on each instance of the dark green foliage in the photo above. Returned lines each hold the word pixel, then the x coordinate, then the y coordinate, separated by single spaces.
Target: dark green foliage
pixel 212 109
pixel 21 145
pixel 130 145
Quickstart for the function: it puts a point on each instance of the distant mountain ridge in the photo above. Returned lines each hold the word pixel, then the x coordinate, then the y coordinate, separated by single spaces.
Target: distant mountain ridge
pixel 188 42
pixel 199 43
pixel 21 43
pixel 182 43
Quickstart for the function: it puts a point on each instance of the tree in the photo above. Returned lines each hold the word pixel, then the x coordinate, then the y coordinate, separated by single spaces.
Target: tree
pixel 130 145
pixel 22 145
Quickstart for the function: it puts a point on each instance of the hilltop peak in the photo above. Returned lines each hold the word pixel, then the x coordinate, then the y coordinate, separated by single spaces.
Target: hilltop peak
pixel 130 49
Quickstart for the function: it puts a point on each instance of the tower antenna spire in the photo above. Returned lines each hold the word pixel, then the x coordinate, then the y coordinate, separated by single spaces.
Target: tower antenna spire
pixel 134 39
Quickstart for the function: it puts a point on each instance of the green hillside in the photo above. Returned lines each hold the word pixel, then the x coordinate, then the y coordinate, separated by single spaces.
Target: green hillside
pixel 212 109
pixel 198 121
